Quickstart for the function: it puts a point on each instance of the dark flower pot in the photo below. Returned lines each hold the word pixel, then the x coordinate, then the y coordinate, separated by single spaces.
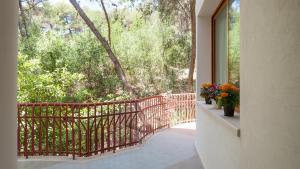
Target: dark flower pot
pixel 208 101
pixel 228 110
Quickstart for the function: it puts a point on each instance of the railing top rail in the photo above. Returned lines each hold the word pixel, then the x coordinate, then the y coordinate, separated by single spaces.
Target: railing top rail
pixel 96 104
pixel 75 104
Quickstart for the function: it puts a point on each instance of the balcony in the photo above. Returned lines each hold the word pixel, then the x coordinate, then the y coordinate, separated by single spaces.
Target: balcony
pixel 154 132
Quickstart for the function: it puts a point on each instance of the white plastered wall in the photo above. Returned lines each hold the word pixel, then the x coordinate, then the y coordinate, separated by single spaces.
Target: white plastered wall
pixel 217 146
pixel 270 84
pixel 203 61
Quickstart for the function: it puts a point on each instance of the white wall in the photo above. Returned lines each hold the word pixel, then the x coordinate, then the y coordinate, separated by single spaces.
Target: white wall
pixel 8 73
pixel 270 88
pixel 270 84
pixel 204 11
pixel 203 52
pixel 198 5
pixel 217 145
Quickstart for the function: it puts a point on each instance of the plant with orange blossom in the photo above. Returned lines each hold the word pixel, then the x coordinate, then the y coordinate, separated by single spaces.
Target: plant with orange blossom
pixel 229 95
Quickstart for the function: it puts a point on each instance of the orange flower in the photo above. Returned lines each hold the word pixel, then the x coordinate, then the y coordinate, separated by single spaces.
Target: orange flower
pixel 224 94
pixel 206 85
pixel 234 88
pixel 224 87
pixel 228 86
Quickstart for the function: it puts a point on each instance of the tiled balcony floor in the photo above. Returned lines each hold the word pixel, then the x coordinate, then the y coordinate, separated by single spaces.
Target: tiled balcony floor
pixel 169 149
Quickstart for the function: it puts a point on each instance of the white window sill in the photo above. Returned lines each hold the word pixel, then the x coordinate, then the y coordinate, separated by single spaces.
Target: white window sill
pixel 232 123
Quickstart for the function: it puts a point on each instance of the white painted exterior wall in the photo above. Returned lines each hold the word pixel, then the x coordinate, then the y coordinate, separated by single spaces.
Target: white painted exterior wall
pixel 270 88
pixel 270 84
pixel 203 62
pixel 217 146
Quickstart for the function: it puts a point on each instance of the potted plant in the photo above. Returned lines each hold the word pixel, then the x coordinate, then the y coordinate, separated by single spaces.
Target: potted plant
pixel 208 92
pixel 215 97
pixel 229 98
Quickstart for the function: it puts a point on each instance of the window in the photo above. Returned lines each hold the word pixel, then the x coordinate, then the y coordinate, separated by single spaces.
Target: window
pixel 226 42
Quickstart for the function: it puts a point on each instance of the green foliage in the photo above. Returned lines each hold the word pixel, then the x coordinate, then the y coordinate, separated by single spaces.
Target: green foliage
pixel 234 41
pixel 62 61
pixel 37 85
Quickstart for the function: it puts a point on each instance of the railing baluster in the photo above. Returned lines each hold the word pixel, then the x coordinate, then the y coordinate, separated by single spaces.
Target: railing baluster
pixel 95 130
pixel 53 131
pixel 136 121
pixel 120 125
pixel 67 131
pixel 47 140
pixel 25 134
pixel 73 133
pixel 79 131
pixel 40 130
pixel 102 130
pixel 32 130
pixel 125 114
pixel 19 131
pixel 115 129
pixel 108 128
pixel 88 141
pixel 60 132
pixel 130 131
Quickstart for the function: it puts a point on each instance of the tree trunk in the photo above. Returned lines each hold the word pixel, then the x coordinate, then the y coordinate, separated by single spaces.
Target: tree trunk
pixel 22 21
pixel 108 22
pixel 107 47
pixel 193 57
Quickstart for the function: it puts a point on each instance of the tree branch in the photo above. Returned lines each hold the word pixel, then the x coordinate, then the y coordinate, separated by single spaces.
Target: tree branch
pixel 183 8
pixel 24 30
pixel 107 20
pixel 193 56
pixel 106 46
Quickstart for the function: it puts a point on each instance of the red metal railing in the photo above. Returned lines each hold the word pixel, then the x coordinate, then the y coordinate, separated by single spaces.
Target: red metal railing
pixel 85 129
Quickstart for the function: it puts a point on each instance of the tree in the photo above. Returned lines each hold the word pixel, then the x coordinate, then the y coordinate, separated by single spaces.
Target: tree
pixel 193 57
pixel 108 22
pixel 153 51
pixel 105 44
pixel 22 21
pixel 178 11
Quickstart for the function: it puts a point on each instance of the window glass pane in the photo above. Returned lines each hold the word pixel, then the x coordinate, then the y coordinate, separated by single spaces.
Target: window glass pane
pixel 221 59
pixel 234 40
